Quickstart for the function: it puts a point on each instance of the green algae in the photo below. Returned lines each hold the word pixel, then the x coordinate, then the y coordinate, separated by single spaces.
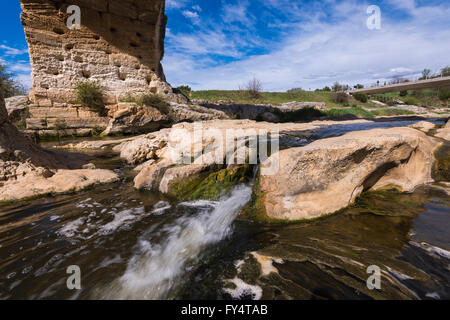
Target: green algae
pixel 441 170
pixel 211 186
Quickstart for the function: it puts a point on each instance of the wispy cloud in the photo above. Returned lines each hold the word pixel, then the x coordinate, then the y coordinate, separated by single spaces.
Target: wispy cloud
pixel 9 51
pixel 309 45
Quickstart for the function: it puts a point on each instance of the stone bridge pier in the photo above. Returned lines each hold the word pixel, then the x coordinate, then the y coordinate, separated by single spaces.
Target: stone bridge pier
pixel 120 44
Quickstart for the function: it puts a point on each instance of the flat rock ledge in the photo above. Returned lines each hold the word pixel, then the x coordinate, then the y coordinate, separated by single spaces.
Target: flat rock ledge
pixel 328 175
pixel 26 170
pixel 63 181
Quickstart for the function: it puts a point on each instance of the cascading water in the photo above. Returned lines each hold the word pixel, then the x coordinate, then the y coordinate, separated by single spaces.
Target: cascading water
pixel 156 270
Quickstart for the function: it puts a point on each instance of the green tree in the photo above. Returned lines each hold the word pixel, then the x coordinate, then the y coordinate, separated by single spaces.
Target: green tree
pixel 9 87
pixel 337 87
pixel 362 97
pixel 426 74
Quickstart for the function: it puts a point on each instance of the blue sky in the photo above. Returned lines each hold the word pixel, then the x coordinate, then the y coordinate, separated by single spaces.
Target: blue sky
pixel 221 44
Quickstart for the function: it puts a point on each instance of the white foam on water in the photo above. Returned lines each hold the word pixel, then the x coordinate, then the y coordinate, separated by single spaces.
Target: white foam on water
pixel 433 250
pixel 399 275
pixel 200 203
pixel 161 207
pixel 70 229
pixel 85 228
pixel 433 295
pixel 121 218
pixel 156 270
pixel 243 290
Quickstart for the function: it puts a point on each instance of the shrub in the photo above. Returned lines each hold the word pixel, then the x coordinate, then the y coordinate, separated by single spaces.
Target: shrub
pixel 155 101
pixel 337 87
pixel 340 97
pixel 327 89
pixel 360 96
pixel 411 101
pixel 294 90
pixel 444 95
pixel 403 93
pixel 9 87
pixel 254 88
pixel 185 90
pixel 90 95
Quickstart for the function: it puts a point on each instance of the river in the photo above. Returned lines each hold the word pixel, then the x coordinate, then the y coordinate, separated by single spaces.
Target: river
pixel 142 245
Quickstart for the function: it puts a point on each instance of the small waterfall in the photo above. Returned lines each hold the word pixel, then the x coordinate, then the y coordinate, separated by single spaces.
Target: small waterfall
pixel 156 270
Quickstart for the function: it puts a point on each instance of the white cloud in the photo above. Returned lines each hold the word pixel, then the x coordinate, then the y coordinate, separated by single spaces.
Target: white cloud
pixel 12 51
pixel 25 80
pixel 317 51
pixel 20 67
pixel 175 4
pixel 191 15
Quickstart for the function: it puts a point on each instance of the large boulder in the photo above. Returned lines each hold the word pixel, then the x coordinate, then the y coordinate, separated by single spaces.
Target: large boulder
pixel 60 181
pixel 130 118
pixel 156 150
pixel 444 132
pixel 17 107
pixel 328 175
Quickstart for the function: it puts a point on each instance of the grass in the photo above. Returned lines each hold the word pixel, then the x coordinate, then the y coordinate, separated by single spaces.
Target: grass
pixel 354 111
pixel 242 97
pixel 426 97
pixel 391 112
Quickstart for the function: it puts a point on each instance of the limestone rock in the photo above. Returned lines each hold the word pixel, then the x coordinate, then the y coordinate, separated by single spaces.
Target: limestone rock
pixel 26 170
pixel 444 132
pixel 295 106
pixel 329 174
pixel 17 107
pixel 180 173
pixel 150 176
pixel 424 126
pixel 191 113
pixel 132 119
pixel 62 181
pixel 163 165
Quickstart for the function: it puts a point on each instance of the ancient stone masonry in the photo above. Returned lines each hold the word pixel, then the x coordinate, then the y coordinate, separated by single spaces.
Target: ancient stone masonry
pixel 120 46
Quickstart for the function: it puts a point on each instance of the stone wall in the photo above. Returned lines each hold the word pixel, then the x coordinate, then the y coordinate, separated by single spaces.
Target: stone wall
pixel 120 45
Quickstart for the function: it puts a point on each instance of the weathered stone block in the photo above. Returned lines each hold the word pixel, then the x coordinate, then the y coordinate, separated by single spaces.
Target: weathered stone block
pixel 120 45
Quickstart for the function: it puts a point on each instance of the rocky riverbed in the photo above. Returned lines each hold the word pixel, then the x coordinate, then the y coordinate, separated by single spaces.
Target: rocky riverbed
pixel 205 231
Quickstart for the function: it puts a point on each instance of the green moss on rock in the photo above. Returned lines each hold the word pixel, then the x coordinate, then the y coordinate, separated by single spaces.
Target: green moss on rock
pixel 441 170
pixel 211 186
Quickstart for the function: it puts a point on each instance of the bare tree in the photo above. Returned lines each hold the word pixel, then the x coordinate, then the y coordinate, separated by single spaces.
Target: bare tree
pixel 254 88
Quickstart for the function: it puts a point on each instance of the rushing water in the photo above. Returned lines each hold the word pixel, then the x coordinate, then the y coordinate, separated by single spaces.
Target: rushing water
pixel 141 245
